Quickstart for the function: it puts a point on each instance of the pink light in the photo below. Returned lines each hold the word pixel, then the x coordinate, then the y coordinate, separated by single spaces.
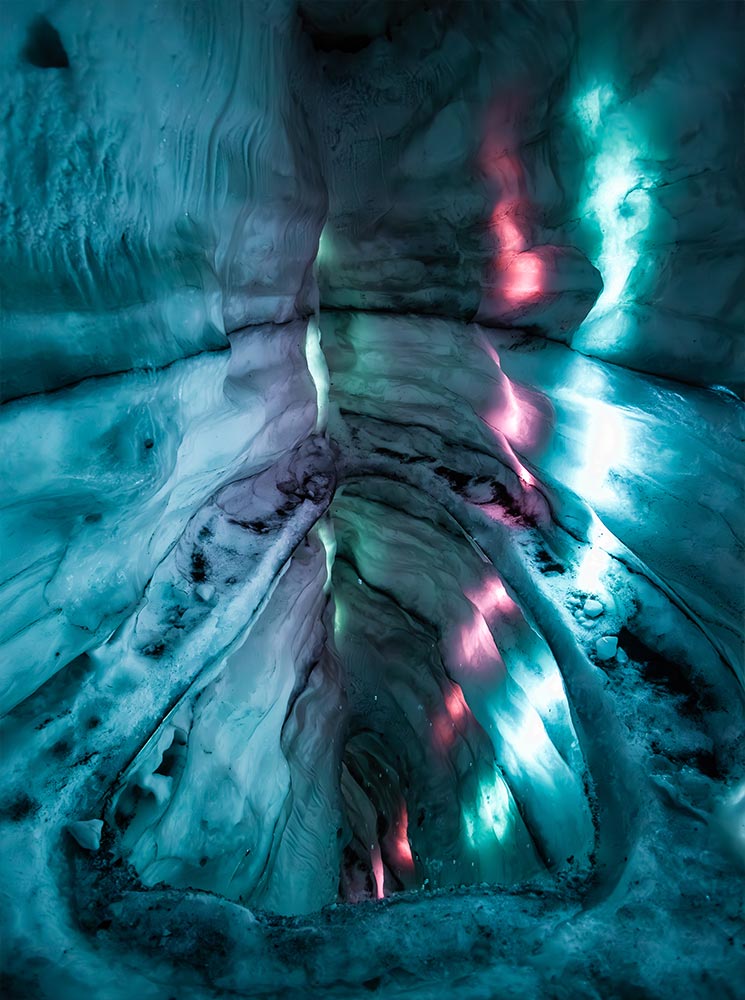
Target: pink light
pixel 401 845
pixel 476 644
pixel 525 476
pixel 511 239
pixel 489 349
pixel 523 278
pixel 508 416
pixel 447 723
pixel 520 273
pixel 496 512
pixel 377 867
pixel 492 597
pixel 474 647
pixel 456 705
pixel 511 416
pixel 444 730
pixel 509 421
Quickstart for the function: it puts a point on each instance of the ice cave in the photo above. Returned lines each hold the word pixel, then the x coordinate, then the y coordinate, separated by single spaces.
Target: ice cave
pixel 373 499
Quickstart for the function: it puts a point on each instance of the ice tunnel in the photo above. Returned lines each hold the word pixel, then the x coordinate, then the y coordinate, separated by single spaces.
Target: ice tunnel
pixel 373 510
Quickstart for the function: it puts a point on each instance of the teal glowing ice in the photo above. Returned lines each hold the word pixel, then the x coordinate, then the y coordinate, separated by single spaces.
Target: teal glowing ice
pixel 617 183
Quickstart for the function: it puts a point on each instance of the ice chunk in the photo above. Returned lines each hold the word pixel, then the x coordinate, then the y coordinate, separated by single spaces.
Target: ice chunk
pixel 87 832
pixel 606 647
pixel 593 608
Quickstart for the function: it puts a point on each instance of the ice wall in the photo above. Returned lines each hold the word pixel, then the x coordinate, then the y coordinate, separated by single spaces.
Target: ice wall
pixel 160 184
pixel 372 506
pixel 530 163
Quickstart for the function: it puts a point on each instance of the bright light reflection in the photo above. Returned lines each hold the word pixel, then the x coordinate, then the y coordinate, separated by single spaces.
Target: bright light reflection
pixel 318 372
pixel 339 616
pixel 510 415
pixel 528 736
pixel 604 447
pixel 595 561
pixel 491 816
pixel 618 198
pixel 328 540
pixel 325 248
pixel 548 692
pixel 524 278
pixel 591 104
pixel 513 420
pixel 491 597
pixel 494 807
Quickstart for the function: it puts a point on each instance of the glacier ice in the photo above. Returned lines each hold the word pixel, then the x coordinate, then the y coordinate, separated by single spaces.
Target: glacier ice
pixel 372 508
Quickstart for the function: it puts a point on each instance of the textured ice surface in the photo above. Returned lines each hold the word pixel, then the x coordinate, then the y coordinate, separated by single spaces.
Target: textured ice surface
pixel 372 502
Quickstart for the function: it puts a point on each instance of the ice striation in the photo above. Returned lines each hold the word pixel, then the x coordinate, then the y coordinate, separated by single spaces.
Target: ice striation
pixel 372 500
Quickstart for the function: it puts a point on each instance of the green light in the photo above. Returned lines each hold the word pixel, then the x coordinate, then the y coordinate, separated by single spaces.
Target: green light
pixel 325 254
pixel 494 807
pixel 618 183
pixel 328 540
pixel 318 372
pixel 590 106
pixel 492 814
pixel 340 615
pixel 622 209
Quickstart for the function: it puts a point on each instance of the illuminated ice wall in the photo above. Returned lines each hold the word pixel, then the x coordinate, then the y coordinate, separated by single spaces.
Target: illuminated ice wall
pixel 372 509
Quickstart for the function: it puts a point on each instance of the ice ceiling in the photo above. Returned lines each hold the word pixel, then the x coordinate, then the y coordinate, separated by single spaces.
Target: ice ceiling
pixel 372 499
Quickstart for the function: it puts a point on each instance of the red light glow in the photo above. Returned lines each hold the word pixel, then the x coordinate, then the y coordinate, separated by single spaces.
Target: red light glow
pixel 456 705
pixel 401 846
pixel 519 271
pixel 512 417
pixel 476 647
pixel 448 722
pixel 523 278
pixel 491 598
pixel 378 873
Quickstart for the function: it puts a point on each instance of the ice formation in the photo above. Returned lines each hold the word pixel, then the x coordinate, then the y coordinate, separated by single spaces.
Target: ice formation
pixel 373 499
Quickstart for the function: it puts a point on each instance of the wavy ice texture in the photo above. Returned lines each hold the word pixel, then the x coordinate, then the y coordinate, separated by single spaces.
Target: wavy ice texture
pixel 158 186
pixel 83 538
pixel 531 181
pixel 372 500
